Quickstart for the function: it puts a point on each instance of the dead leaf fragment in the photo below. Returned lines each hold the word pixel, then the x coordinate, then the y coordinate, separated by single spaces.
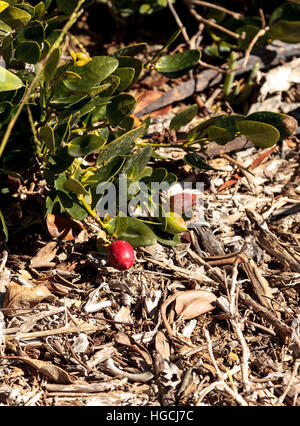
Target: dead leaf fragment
pixel 63 228
pixel 192 303
pixel 44 256
pixel 53 372
pixel 147 98
pixel 20 297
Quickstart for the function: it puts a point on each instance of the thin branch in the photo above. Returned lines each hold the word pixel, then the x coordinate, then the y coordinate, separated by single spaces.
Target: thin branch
pixel 259 34
pixel 236 15
pixel 237 325
pixel 179 23
pixel 290 382
pixel 214 25
pixel 231 391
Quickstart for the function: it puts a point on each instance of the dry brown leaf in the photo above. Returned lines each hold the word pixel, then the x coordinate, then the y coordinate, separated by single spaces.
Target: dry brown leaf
pixel 20 297
pixel 147 98
pixel 192 303
pixel 63 228
pixel 123 339
pixel 44 256
pixel 53 372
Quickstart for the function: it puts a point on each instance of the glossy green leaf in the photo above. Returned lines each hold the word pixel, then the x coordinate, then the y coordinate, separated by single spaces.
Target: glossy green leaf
pixel 131 50
pixel 289 11
pixel 261 134
pixel 52 65
pixel 175 66
pixel 166 45
pixel 138 234
pixel 67 6
pixel 106 172
pixel 117 225
pixel 201 129
pixel 173 223
pixel 287 31
pixel 113 81
pixel 15 17
pixel 9 81
pixel 220 135
pixel 84 145
pixel 127 123
pixel 39 9
pixel 75 186
pixel 71 205
pixel 94 91
pixel 129 62
pixel 92 73
pixel 194 160
pixel 225 129
pixel 7 49
pixel 285 23
pixel 120 106
pixel 158 175
pixel 47 136
pixel 285 124
pixel 61 161
pixel 250 32
pixel 121 145
pixel 28 52
pixel 167 239
pixel 137 162
pixel 5 110
pixel 68 201
pixel 184 117
pixel 34 31
pixel 125 75
pixel 4 28
pixel 3 5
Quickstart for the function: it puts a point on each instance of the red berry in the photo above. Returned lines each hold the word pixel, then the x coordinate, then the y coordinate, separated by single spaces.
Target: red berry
pixel 120 255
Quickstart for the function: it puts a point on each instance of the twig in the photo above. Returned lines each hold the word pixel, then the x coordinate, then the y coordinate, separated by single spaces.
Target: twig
pixel 178 21
pixel 212 67
pixel 290 382
pixel 232 391
pixel 214 25
pixel 259 34
pixel 263 19
pixel 139 377
pixel 4 260
pixel 86 328
pixel 237 325
pixel 236 15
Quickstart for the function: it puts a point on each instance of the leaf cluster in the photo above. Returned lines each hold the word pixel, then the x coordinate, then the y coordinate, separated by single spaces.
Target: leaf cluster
pixel 76 122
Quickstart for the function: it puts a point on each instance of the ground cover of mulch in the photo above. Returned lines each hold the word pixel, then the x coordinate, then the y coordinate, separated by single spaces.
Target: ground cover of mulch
pixel 77 332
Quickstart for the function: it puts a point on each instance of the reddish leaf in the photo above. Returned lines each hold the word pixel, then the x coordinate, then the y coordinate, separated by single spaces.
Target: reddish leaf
pixel 262 157
pixel 147 98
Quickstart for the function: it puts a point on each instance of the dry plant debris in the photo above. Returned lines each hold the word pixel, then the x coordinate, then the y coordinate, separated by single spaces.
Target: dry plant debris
pixel 200 324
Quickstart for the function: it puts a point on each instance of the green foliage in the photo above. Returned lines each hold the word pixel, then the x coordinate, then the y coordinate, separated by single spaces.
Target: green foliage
pixel 126 8
pixel 74 118
pixel 175 66
pixel 78 109
pixel 9 81
pixel 184 117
